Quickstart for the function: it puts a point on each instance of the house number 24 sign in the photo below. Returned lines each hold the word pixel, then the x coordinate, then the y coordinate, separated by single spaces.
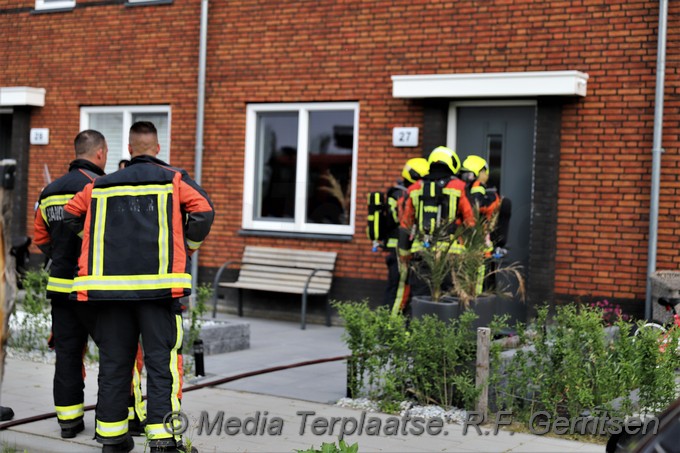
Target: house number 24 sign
pixel 405 136
pixel 40 136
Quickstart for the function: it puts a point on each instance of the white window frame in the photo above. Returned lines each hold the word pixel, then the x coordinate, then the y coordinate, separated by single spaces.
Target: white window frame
pixel 127 111
pixel 299 225
pixel 43 5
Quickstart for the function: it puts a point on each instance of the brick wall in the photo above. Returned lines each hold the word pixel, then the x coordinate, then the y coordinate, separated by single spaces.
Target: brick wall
pixel 290 51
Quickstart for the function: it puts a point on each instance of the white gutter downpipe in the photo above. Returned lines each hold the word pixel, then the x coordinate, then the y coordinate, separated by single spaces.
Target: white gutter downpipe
pixel 657 150
pixel 200 112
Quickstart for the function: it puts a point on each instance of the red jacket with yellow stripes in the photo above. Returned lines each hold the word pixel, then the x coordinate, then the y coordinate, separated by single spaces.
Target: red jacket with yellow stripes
pixel 487 202
pixel 139 226
pixel 463 209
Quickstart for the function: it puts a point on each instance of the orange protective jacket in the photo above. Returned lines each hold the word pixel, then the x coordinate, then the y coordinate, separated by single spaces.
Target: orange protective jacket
pixel 139 226
pixel 487 202
pixel 461 214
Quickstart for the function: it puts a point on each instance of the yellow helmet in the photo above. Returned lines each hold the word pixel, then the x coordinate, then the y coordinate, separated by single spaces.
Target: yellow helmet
pixel 446 156
pixel 475 164
pixel 415 169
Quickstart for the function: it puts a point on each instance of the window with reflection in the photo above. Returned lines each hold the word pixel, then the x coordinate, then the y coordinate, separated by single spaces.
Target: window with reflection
pixel 300 167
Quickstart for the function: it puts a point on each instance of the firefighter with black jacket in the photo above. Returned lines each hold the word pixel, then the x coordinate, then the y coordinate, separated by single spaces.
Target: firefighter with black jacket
pixel 397 293
pixel 140 225
pixel 475 172
pixel 493 208
pixel 436 200
pixel 71 322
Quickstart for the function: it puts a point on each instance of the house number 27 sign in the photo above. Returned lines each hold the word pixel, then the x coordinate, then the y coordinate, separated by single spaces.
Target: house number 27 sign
pixel 405 136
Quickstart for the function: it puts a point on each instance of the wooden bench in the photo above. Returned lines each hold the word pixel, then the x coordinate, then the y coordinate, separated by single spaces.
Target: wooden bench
pixel 280 270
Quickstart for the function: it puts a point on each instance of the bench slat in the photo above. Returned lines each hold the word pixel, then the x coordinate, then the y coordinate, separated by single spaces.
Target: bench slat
pixel 290 258
pixel 296 253
pixel 285 279
pixel 275 288
pixel 267 270
pixel 286 262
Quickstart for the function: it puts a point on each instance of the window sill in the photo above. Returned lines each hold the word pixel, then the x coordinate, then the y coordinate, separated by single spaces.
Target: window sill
pixel 294 235
pixel 53 10
pixel 148 3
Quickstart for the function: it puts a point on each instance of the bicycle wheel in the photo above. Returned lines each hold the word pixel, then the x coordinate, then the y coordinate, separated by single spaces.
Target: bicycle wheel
pixel 656 325
pixel 664 339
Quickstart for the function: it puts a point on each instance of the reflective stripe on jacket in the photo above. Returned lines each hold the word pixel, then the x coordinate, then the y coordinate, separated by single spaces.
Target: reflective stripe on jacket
pixel 139 226
pixel 487 202
pixel 459 210
pixel 53 238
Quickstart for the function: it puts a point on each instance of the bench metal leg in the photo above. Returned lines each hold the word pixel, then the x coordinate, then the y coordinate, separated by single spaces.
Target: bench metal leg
pixel 304 311
pixel 216 285
pixel 328 312
pixel 214 302
pixel 240 302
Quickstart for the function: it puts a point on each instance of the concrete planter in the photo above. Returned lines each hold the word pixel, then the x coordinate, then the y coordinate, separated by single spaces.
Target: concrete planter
pixel 224 336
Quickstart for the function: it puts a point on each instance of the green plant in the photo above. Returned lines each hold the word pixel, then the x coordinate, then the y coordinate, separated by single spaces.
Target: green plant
pixel 456 262
pixel 468 264
pixel 471 266
pixel 378 342
pixel 433 261
pixel 429 361
pixel 442 361
pixel 33 327
pixel 197 310
pixel 573 365
pixel 194 315
pixel 6 448
pixel 328 447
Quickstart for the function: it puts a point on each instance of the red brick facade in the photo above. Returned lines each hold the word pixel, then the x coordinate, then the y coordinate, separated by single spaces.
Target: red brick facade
pixel 105 53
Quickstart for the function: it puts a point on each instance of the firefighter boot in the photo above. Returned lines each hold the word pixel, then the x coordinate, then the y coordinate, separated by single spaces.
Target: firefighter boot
pixel 71 428
pixel 125 446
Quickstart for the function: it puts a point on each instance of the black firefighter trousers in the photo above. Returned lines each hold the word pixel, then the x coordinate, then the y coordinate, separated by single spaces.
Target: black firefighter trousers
pixel 72 322
pixel 119 326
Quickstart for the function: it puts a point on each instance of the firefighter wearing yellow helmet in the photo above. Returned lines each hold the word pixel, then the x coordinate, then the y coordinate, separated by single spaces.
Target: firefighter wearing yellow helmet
pixel 438 199
pixel 383 228
pixel 475 172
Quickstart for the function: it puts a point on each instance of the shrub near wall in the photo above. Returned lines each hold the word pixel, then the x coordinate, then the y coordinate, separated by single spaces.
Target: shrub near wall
pixel 570 365
pixel 427 361
pixel 573 365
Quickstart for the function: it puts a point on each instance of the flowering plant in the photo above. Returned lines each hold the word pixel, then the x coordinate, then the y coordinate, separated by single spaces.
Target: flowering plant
pixel 611 312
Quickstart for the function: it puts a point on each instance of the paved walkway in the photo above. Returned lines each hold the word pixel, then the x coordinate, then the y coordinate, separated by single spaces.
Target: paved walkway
pixel 279 412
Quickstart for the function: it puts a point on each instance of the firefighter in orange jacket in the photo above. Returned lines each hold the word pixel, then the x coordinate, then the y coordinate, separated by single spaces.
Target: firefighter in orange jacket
pixel 71 322
pixel 437 199
pixel 475 172
pixel 139 226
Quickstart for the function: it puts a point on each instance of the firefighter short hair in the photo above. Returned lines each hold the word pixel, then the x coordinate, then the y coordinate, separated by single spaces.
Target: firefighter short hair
pixel 143 127
pixel 88 141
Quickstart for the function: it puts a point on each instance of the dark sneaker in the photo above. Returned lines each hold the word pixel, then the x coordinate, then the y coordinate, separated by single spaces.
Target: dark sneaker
pixel 135 427
pixel 69 432
pixel 124 447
